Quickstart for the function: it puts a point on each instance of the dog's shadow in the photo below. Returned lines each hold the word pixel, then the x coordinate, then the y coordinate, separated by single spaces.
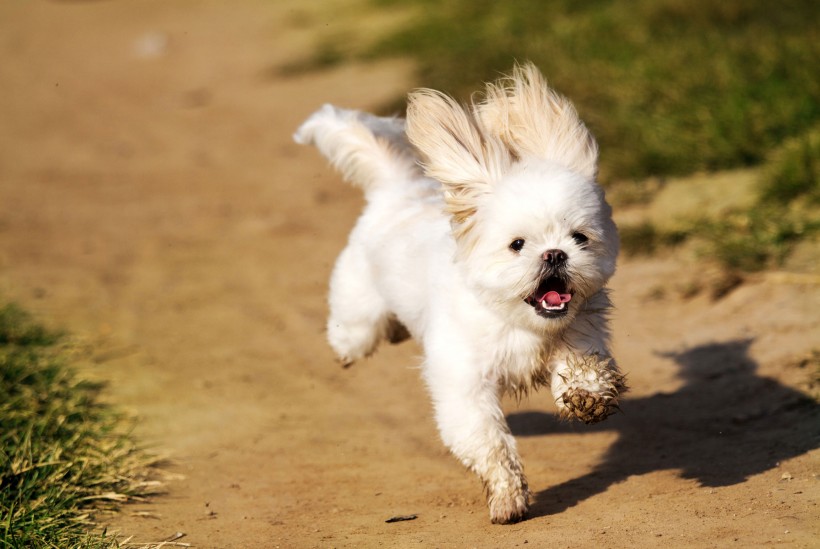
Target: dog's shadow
pixel 724 425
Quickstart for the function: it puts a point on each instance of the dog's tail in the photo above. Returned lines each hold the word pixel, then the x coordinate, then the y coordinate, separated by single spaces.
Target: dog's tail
pixel 366 149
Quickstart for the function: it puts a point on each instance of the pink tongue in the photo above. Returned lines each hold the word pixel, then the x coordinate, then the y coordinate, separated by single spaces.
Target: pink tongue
pixel 554 298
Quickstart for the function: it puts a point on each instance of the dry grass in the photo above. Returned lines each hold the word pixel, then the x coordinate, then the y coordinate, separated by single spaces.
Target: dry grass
pixel 65 457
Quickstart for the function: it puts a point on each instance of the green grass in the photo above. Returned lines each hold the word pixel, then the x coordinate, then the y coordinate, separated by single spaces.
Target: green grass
pixel 64 455
pixel 785 212
pixel 755 240
pixel 794 172
pixel 646 239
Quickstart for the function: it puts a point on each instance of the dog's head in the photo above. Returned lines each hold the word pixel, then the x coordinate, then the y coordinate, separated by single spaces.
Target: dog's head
pixel 535 235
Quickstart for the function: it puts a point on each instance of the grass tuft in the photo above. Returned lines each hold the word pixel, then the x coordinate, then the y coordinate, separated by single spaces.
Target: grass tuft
pixel 16 328
pixel 645 239
pixel 755 240
pixel 786 211
pixel 793 173
pixel 64 455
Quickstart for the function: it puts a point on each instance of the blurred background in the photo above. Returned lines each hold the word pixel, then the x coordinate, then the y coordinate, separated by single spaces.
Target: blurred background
pixel 670 88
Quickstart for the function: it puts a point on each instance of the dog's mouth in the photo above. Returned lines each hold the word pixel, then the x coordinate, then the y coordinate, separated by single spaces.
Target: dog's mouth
pixel 551 298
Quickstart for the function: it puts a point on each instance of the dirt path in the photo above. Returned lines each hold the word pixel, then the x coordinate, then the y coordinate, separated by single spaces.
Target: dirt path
pixel 151 200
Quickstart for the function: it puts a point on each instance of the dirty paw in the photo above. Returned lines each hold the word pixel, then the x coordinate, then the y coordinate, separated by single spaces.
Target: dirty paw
pixel 509 509
pixel 586 406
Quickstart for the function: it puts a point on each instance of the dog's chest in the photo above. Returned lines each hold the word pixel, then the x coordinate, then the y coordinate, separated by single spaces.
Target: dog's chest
pixel 522 362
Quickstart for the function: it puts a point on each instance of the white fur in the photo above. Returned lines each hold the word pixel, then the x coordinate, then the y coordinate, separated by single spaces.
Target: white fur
pixel 432 251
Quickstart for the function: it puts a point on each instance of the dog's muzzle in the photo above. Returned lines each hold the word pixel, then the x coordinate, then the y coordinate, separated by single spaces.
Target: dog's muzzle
pixel 551 298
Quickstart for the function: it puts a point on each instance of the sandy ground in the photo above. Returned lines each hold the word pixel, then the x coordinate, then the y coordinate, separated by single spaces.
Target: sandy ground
pixel 152 202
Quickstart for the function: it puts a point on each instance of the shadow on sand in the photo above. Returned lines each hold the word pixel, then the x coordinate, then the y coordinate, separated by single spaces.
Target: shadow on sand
pixel 724 425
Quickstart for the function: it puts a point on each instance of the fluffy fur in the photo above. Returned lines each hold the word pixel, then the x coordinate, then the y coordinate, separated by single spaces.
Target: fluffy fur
pixel 486 237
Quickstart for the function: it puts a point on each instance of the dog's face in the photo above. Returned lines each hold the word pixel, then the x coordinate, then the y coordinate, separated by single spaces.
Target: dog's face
pixel 540 244
pixel 534 233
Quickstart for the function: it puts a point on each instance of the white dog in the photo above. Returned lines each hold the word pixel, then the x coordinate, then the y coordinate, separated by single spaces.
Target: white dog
pixel 486 238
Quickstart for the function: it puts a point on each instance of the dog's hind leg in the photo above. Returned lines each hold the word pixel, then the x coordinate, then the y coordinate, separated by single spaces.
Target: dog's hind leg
pixel 359 318
pixel 472 425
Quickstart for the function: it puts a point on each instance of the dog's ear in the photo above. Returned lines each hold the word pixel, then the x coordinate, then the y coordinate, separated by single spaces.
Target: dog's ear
pixel 533 120
pixel 455 150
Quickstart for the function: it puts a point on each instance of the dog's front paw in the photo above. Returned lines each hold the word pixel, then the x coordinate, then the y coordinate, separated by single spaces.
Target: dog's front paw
pixel 586 406
pixel 587 388
pixel 509 507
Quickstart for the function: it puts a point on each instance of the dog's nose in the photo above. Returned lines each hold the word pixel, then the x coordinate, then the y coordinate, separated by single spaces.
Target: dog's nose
pixel 554 257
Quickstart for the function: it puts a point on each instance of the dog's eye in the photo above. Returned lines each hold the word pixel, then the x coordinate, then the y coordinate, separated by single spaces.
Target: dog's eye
pixel 517 244
pixel 580 238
